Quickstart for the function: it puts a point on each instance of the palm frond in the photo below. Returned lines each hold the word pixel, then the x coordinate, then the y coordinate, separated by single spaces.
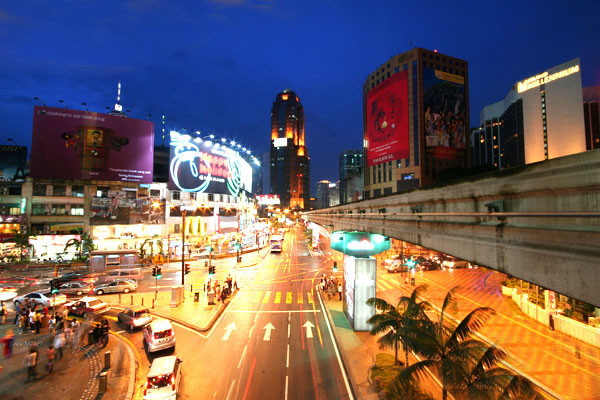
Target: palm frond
pixel 472 323
pixel 522 388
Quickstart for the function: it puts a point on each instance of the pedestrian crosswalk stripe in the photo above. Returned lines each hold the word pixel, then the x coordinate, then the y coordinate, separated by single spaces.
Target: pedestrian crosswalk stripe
pixel 385 284
pixel 267 296
pixel 300 298
pixel 277 297
pixel 257 297
pixel 310 298
pixel 288 298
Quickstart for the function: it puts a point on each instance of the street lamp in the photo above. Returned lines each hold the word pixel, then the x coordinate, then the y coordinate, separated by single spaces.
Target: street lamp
pixel 85 105
pixel 40 100
pixel 62 101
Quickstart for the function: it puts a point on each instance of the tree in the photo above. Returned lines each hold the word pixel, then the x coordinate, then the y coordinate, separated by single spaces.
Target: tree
pixel 394 324
pixel 444 345
pixel 83 246
pixel 21 240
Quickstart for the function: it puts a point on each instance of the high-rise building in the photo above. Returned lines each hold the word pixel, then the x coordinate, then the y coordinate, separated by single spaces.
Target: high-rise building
pixel 351 176
pixel 541 117
pixel 591 115
pixel 322 194
pixel 266 172
pixel 290 164
pixel 416 113
pixel 334 194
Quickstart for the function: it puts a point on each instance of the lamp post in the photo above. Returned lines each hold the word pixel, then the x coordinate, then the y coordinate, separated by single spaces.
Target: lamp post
pixel 40 100
pixel 183 211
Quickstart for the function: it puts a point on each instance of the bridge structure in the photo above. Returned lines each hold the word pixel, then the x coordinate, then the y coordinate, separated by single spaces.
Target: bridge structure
pixel 539 222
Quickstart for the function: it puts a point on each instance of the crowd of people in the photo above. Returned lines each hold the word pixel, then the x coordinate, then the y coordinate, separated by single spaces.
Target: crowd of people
pixel 222 292
pixel 330 285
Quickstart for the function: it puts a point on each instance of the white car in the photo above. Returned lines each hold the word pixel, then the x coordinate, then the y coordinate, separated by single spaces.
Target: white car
pixel 159 335
pixel 46 298
pixel 87 306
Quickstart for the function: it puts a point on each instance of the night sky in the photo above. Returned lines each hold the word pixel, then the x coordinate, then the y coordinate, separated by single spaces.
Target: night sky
pixel 216 66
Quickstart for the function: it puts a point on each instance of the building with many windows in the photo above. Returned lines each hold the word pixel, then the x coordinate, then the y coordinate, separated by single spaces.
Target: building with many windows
pixel 541 117
pixel 322 200
pixel 416 113
pixel 351 176
pixel 290 164
pixel 591 115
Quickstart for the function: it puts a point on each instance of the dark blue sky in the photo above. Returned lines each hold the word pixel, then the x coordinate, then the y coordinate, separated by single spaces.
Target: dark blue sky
pixel 217 65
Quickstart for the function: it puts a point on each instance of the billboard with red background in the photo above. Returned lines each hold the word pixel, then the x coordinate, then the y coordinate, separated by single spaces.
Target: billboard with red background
pixel 387 120
pixel 73 144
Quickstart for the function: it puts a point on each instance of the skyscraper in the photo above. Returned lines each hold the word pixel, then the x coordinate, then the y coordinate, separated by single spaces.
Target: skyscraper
pixel 351 176
pixel 322 194
pixel 416 113
pixel 290 164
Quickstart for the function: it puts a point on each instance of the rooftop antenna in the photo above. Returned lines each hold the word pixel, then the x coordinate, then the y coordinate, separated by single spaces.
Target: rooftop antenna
pixel 118 106
pixel 163 131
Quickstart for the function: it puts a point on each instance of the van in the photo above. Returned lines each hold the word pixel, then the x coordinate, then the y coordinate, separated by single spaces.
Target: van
pixel 120 274
pixel 163 379
pixel 159 335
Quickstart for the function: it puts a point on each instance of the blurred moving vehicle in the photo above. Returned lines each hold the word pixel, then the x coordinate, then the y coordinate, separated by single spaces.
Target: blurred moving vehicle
pixel 83 276
pixel 120 274
pixel 396 267
pixel 77 288
pixel 276 243
pixel 163 378
pixel 120 286
pixel 452 263
pixel 46 298
pixel 134 317
pixel 159 335
pixel 87 306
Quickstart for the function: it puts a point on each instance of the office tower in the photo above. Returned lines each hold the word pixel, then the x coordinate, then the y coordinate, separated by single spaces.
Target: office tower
pixel 290 164
pixel 416 113
pixel 591 115
pixel 351 176
pixel 322 194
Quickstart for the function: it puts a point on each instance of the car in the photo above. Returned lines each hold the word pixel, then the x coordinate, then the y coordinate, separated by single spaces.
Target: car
pixel 87 306
pixel 121 274
pixel 428 265
pixel 77 288
pixel 134 317
pixel 163 379
pixel 84 276
pixel 159 335
pixel 46 298
pixel 395 268
pixel 120 286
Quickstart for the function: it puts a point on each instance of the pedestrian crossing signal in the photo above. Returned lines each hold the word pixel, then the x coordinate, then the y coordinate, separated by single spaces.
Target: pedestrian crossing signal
pixel 54 286
pixel 211 270
pixel 187 268
pixel 335 266
pixel 158 272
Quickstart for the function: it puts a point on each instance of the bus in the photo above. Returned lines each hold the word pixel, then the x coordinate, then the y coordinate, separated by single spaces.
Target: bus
pixel 276 243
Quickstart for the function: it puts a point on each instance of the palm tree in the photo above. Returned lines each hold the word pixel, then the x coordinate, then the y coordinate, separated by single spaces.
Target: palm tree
pixel 395 322
pixel 445 346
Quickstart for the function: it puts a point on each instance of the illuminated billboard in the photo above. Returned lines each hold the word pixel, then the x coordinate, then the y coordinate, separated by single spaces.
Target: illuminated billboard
pixel 268 199
pixel 198 165
pixel 117 208
pixel 387 120
pixel 72 144
pixel 12 163
pixel 445 116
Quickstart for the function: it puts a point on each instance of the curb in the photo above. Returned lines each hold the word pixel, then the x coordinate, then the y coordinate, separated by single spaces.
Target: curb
pixel 337 341
pixel 192 326
pixel 131 385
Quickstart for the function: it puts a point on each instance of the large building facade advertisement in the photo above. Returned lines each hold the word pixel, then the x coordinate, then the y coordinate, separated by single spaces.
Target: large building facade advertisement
pixel 445 116
pixel 387 120
pixel 91 145
pixel 118 209
pixel 204 166
pixel 12 163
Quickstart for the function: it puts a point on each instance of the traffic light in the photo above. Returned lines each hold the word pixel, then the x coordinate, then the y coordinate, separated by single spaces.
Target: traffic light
pixel 158 272
pixel 154 270
pixel 187 268
pixel 208 248
pixel 211 270
pixel 54 286
pixel 335 266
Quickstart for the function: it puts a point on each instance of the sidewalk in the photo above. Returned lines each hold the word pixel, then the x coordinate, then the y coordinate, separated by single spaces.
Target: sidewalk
pixel 75 376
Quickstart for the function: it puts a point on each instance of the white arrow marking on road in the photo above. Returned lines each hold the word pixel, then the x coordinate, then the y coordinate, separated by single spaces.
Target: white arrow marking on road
pixel 308 325
pixel 269 327
pixel 229 328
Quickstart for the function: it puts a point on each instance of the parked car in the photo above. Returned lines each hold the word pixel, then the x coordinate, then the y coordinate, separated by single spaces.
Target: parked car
pixel 46 298
pixel 77 288
pixel 121 286
pixel 87 306
pixel 134 317
pixel 120 274
pixel 159 335
pixel 82 276
pixel 163 378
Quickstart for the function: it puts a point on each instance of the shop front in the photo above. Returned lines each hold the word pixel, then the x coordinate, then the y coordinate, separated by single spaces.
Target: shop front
pixel 52 247
pixel 124 237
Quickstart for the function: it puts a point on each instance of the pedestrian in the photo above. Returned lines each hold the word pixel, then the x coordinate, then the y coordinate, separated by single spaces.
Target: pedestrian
pixel 65 315
pixel 340 290
pixel 31 319
pixel 96 333
pixel 8 341
pixel 31 362
pixel 17 314
pixel 76 326
pixel 50 359
pixel 104 332
pixel 3 311
pixel 23 322
pixel 68 334
pixel 59 344
pixel 37 322
pixel 52 325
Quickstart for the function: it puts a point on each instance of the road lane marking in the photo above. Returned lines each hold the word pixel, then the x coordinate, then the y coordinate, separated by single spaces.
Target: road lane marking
pixel 230 389
pixel 268 328
pixel 228 329
pixel 277 297
pixel 287 359
pixel 120 332
pixel 289 297
pixel 242 357
pixel 337 352
pixel 286 387
pixel 308 325
pixel 257 297
pixel 267 296
pixel 300 298
pixel 289 330
pixel 310 298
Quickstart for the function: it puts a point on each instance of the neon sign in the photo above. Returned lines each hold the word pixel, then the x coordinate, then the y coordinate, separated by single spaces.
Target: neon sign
pixel 544 78
pixel 199 166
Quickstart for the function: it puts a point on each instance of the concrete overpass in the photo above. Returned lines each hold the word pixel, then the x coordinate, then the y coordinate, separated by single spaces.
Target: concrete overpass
pixel 539 222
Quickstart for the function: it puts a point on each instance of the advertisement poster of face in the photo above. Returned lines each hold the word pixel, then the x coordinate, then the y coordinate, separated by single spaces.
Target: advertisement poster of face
pixel 91 145
pixel 387 120
pixel 204 166
pixel 118 209
pixel 12 163
pixel 445 117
